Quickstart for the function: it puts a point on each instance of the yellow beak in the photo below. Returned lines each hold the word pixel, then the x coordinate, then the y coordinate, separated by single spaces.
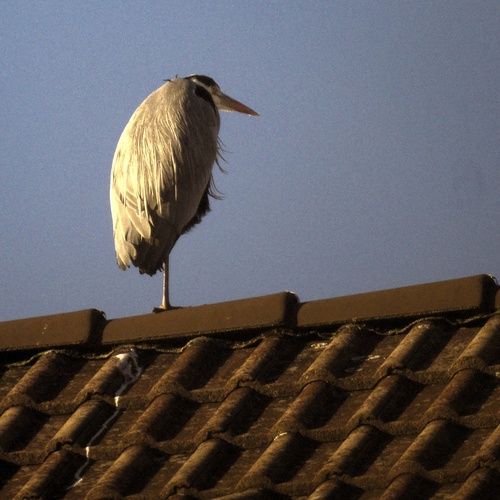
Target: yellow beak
pixel 226 103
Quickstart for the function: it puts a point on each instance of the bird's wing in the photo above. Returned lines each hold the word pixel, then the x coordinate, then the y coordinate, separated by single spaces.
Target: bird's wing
pixel 161 169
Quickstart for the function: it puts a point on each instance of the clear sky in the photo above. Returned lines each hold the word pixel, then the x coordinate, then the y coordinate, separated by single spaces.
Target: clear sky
pixel 374 163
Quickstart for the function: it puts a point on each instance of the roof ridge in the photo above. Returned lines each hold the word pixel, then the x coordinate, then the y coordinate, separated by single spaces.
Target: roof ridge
pixel 476 295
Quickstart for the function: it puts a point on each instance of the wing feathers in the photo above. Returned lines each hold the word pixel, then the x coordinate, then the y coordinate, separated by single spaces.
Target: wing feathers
pixel 161 174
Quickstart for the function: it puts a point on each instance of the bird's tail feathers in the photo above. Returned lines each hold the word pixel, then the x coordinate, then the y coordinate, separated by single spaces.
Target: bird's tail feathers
pixel 151 253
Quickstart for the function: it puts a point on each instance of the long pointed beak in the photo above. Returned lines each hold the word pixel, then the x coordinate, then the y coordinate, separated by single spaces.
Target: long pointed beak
pixel 227 103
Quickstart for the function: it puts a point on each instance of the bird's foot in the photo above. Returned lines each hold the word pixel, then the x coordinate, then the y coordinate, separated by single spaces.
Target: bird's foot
pixel 159 309
pixel 162 308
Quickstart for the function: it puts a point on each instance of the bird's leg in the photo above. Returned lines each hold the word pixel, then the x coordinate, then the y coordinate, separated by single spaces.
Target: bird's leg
pixel 165 304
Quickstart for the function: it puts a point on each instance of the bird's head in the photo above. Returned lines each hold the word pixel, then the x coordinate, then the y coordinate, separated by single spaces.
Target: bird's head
pixel 221 100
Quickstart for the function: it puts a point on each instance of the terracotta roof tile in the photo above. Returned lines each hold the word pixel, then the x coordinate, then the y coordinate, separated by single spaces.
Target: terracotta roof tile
pixel 302 402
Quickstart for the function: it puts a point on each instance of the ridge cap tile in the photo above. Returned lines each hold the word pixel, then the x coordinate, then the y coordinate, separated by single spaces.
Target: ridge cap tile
pixel 55 330
pixel 473 293
pixel 245 314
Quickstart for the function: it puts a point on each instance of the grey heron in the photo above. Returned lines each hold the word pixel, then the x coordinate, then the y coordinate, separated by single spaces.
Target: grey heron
pixel 161 177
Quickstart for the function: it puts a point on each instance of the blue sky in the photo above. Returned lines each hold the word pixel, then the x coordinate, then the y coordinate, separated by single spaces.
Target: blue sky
pixel 374 163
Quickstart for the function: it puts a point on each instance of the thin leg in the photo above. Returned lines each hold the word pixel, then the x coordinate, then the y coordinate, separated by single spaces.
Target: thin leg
pixel 165 303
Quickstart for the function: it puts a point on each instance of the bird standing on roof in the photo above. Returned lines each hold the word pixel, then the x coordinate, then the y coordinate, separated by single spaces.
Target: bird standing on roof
pixel 161 177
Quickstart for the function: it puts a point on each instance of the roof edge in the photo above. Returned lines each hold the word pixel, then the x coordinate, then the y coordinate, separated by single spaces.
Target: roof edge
pixel 55 330
pixel 464 296
pixel 473 294
pixel 268 311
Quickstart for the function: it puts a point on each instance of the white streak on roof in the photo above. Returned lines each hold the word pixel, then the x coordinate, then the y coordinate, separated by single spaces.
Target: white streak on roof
pixel 131 371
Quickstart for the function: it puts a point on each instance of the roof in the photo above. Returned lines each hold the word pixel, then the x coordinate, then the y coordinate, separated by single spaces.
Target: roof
pixel 389 394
